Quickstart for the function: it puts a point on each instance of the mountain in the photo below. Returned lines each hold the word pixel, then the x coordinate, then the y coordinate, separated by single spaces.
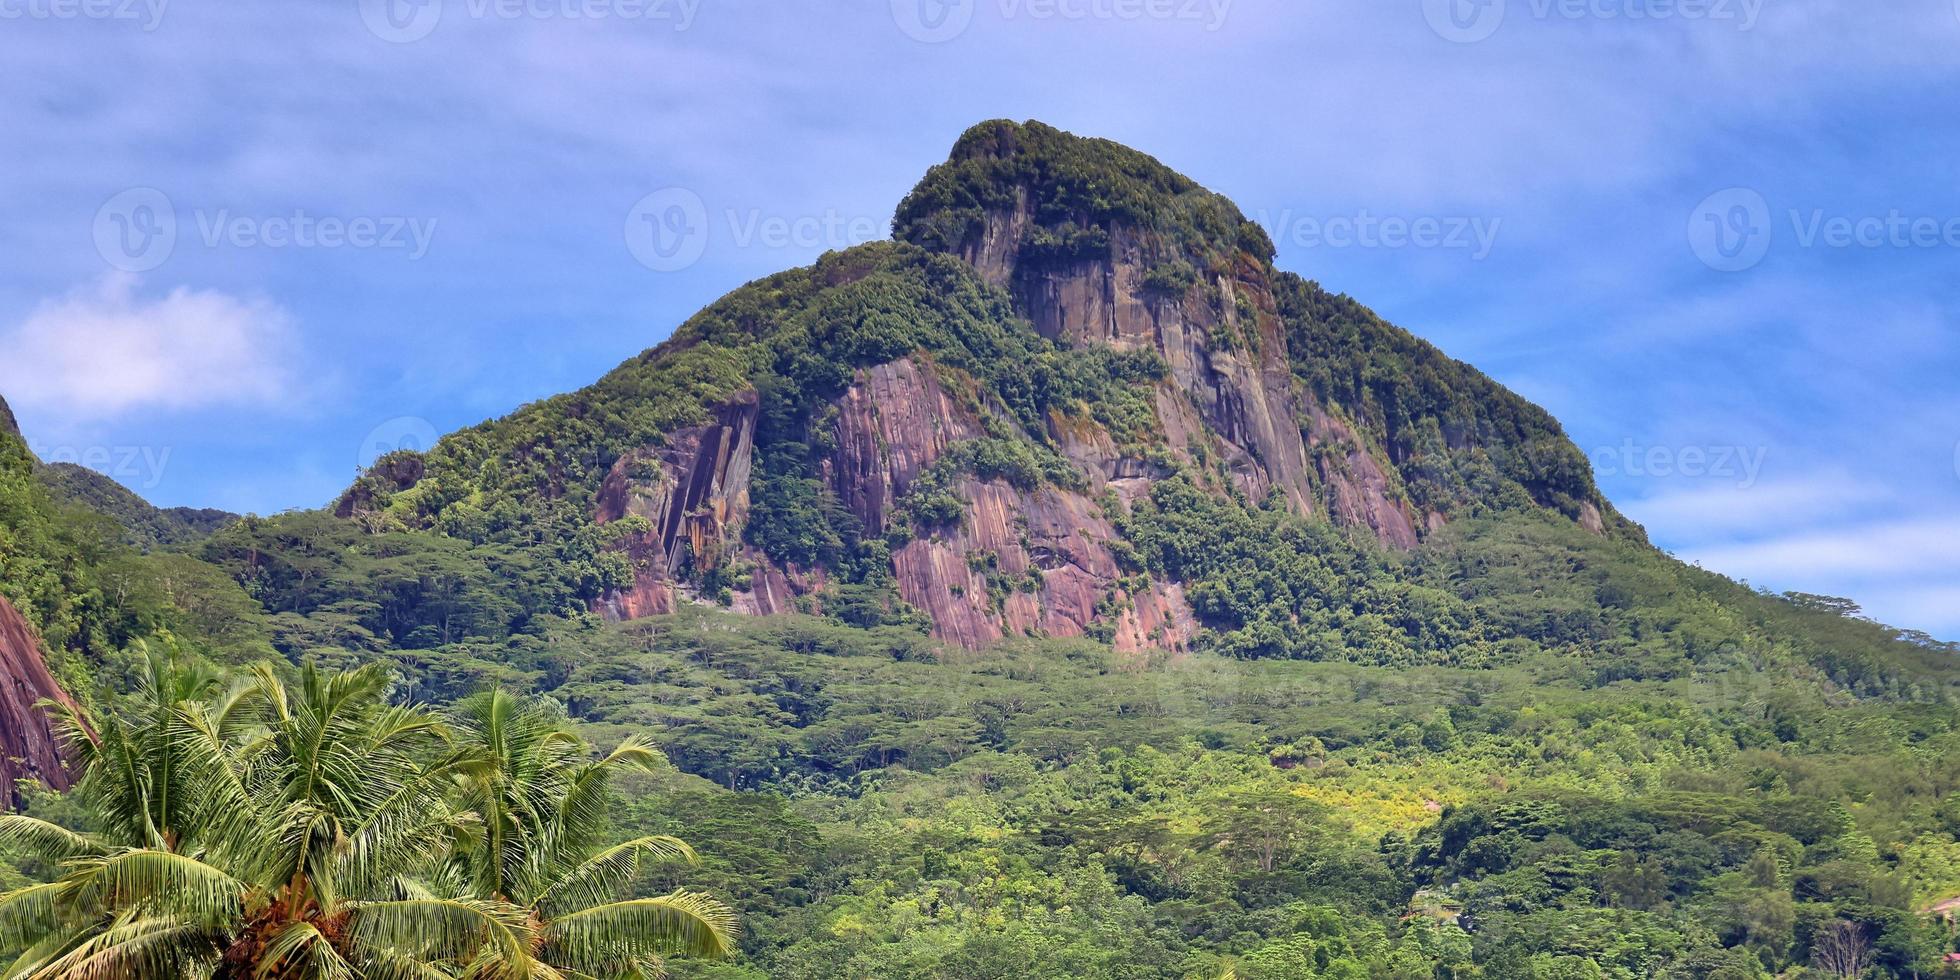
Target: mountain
pixel 1135 609
pixel 146 526
pixel 964 423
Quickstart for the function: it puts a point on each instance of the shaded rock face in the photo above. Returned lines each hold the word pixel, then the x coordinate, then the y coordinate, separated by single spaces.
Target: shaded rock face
pixel 1231 394
pixel 1359 492
pixel 391 473
pixel 693 490
pixel 1021 562
pixel 29 747
pixel 8 427
pixel 1222 339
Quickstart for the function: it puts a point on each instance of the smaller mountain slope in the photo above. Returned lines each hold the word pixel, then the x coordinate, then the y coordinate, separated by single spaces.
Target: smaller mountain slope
pixel 147 527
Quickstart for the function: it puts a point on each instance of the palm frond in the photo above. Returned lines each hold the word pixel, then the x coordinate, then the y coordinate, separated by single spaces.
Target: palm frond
pixel 609 938
pixel 158 880
pixel 30 913
pixel 48 841
pixel 457 929
pixel 134 947
pixel 300 949
pixel 600 878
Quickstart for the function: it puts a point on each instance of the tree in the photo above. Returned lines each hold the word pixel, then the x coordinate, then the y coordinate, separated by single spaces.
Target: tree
pixel 1842 949
pixel 256 830
pixel 543 810
pixel 251 831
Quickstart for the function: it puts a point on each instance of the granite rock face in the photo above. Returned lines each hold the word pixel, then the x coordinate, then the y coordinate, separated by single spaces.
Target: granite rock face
pixel 29 746
pixel 693 492
pixel 1094 246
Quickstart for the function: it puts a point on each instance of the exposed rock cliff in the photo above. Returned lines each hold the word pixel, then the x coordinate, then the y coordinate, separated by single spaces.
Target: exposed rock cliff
pixel 1022 562
pixel 29 747
pixel 693 493
pixel 1183 275
pixel 1062 325
pixel 8 426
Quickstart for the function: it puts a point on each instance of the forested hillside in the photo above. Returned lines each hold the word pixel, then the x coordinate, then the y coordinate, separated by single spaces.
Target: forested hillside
pixel 1058 589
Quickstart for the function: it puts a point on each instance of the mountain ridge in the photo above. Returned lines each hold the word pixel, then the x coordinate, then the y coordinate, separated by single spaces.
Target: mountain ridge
pixel 1159 339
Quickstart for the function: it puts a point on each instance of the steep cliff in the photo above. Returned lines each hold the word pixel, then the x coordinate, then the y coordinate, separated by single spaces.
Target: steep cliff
pixel 29 747
pixel 960 428
pixel 8 426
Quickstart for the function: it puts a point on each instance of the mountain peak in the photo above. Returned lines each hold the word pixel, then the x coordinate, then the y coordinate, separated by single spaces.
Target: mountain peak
pixel 1012 191
pixel 8 426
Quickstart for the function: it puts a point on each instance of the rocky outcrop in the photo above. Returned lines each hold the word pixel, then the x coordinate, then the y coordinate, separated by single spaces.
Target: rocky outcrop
pixel 1221 337
pixel 8 427
pixel 390 474
pixel 1358 490
pixel 29 745
pixel 693 492
pixel 1035 562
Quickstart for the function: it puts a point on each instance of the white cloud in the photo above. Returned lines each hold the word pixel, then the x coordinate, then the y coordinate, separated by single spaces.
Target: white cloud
pixel 1725 508
pixel 102 352
pixel 1919 544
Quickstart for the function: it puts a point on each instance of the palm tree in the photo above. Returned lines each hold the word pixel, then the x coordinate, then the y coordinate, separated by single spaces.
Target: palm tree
pixel 256 831
pixel 542 807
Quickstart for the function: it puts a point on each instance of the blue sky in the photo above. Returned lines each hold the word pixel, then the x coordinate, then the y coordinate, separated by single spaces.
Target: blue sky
pixel 1717 238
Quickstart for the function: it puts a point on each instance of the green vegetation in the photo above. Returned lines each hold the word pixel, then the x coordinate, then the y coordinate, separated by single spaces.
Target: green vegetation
pixel 315 831
pixel 147 528
pixel 1522 750
pixel 1463 443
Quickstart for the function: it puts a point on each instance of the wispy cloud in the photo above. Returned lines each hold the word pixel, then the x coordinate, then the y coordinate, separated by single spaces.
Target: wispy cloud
pixel 104 351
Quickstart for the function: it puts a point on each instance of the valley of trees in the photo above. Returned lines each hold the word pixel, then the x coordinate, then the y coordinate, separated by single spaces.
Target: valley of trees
pixel 1746 787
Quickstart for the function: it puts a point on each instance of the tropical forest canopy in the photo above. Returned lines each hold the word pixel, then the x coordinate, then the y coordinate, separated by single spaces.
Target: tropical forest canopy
pixel 400 740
